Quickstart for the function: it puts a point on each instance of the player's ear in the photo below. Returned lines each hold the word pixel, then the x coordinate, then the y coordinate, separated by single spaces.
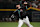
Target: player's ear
pixel 16 6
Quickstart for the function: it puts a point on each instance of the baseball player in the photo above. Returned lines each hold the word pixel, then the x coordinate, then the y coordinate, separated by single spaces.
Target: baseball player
pixel 22 15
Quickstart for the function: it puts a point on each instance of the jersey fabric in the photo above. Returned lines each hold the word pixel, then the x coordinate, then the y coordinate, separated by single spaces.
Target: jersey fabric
pixel 22 14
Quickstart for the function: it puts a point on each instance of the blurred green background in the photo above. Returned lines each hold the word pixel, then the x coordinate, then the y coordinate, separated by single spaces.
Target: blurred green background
pixel 15 24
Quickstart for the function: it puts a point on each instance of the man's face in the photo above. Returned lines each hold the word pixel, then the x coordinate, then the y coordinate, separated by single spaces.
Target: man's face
pixel 18 6
pixel 25 3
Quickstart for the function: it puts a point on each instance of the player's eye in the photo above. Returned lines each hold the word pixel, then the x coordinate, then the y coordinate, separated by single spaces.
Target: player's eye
pixel 25 4
pixel 17 7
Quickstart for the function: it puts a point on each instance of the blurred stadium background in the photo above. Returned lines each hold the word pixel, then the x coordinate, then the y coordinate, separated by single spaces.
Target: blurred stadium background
pixel 7 7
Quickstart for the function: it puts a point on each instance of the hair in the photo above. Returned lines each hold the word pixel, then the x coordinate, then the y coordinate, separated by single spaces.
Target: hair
pixel 18 4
